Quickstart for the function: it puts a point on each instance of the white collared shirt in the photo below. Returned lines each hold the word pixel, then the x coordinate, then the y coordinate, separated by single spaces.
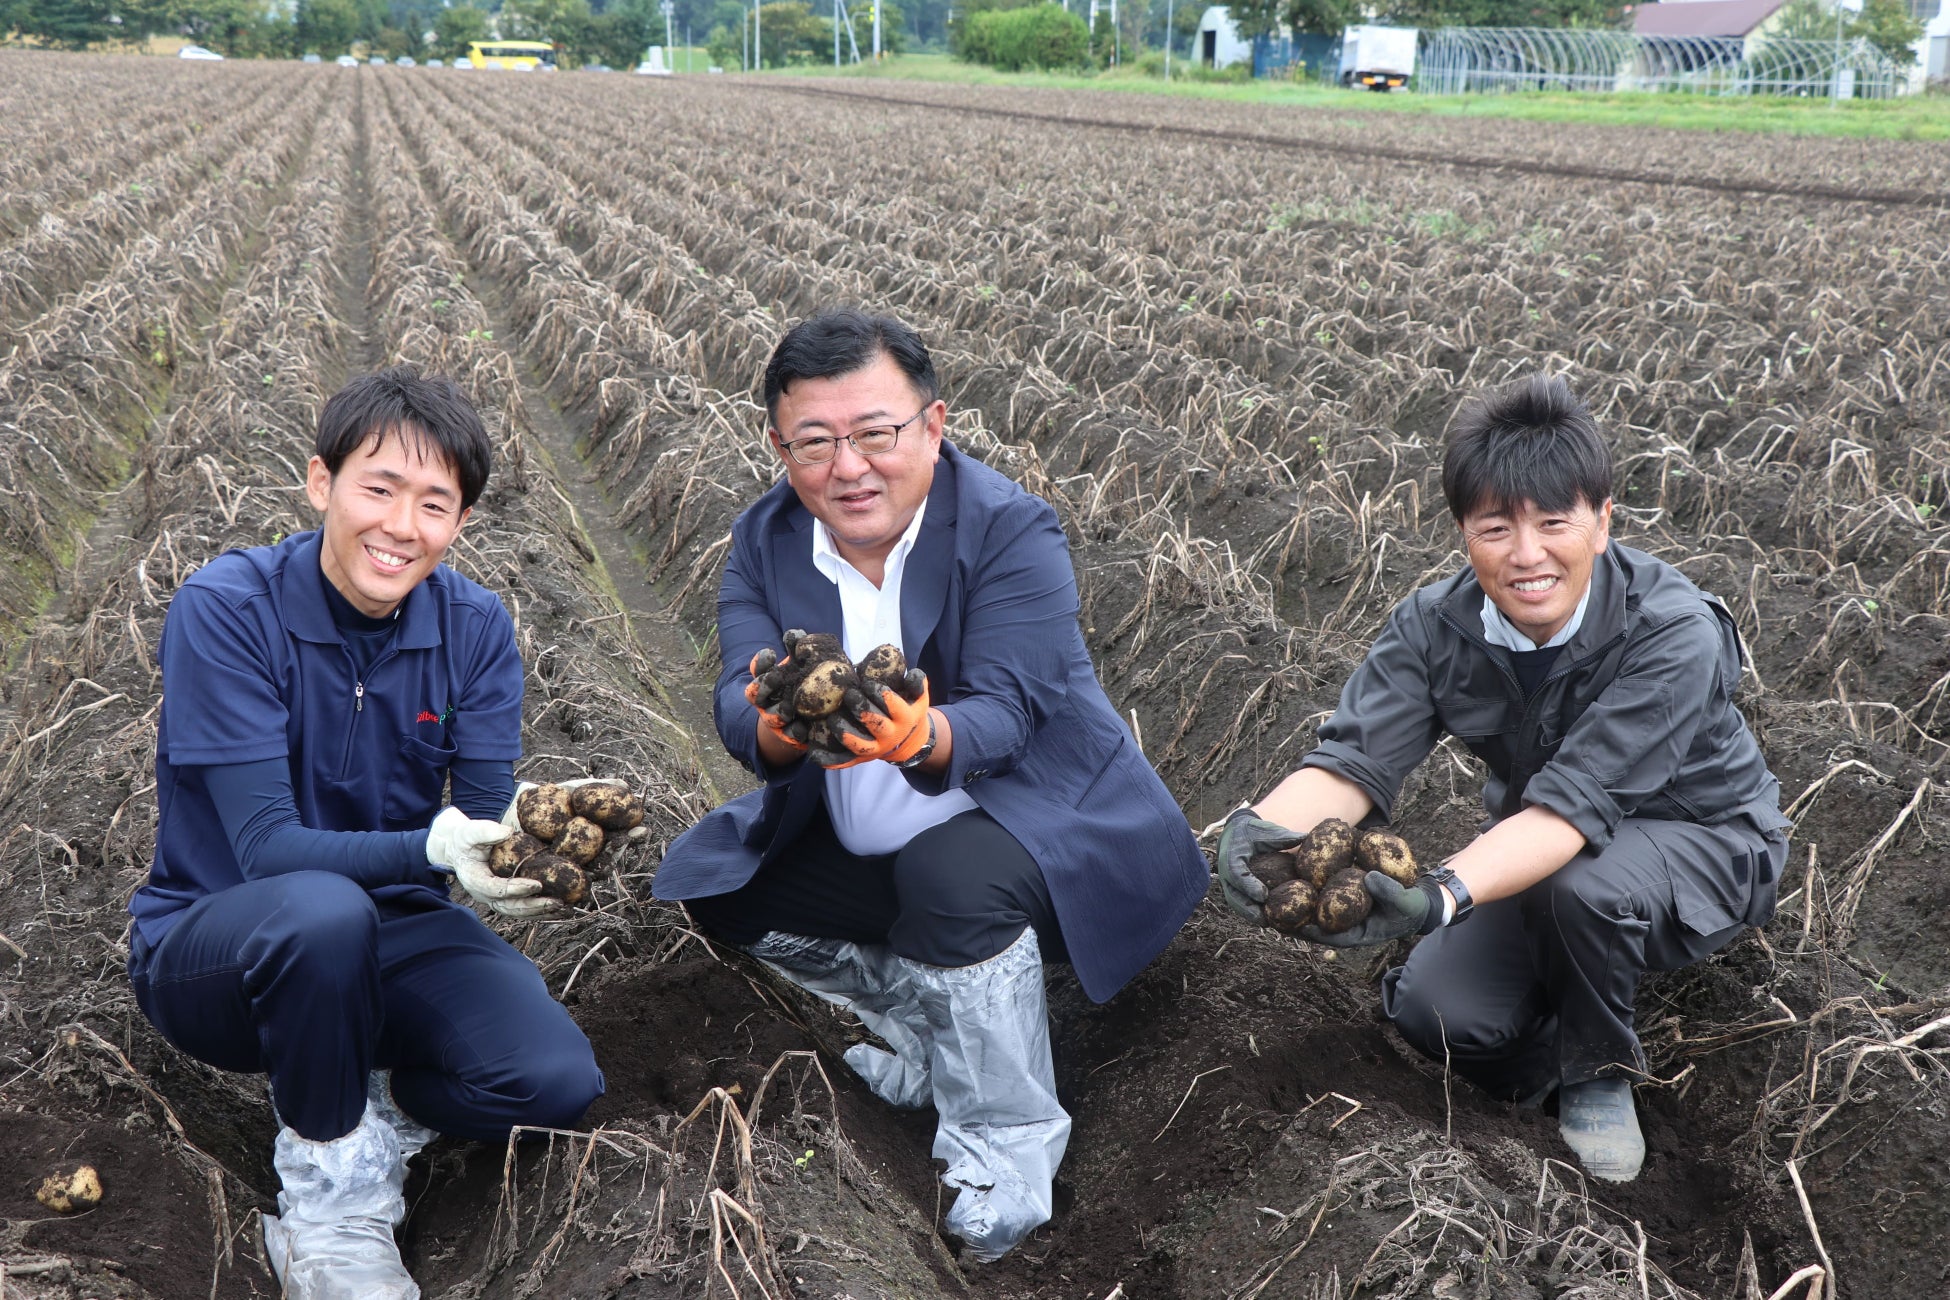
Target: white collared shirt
pixel 1497 630
pixel 874 809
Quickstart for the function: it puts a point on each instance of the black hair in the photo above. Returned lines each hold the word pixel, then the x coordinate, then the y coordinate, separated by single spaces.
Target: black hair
pixel 839 341
pixel 1531 440
pixel 400 400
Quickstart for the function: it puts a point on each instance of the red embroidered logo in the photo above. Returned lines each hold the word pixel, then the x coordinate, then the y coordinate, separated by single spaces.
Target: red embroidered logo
pixel 427 715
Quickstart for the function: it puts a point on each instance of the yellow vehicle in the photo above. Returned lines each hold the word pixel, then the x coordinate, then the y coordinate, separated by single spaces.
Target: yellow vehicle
pixel 517 56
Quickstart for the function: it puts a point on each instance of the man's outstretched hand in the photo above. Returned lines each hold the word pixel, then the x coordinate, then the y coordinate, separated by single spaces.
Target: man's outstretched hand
pixel 1245 836
pixel 877 723
pixel 461 844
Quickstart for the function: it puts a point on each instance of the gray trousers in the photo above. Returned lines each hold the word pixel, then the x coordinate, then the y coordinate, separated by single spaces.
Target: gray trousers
pixel 1539 987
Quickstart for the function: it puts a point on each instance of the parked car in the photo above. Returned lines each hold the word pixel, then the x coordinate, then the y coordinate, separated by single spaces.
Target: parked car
pixel 347 61
pixel 198 52
pixel 462 65
pixel 377 60
pixel 311 58
pixel 405 61
pixel 435 63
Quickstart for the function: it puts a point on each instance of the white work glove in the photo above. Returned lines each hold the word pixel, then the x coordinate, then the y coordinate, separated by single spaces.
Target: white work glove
pixel 460 844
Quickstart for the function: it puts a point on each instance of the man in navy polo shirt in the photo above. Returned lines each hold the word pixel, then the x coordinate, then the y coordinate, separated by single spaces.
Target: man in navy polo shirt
pixel 318 696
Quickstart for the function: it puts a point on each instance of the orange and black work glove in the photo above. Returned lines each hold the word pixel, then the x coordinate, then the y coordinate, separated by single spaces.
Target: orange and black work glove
pixel 766 693
pixel 877 723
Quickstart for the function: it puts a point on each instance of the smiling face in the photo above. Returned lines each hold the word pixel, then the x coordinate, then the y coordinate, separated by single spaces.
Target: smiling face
pixel 865 502
pixel 389 515
pixel 1535 565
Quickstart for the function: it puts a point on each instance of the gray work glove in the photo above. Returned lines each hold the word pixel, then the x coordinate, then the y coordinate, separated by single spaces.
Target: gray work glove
pixel 459 844
pixel 1399 911
pixel 1245 834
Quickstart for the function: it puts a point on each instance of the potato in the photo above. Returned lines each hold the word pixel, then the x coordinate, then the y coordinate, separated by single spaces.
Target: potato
pixel 1388 853
pixel 1328 848
pixel 886 666
pixel 580 841
pixel 543 811
pixel 1345 902
pixel 506 857
pixel 819 692
pixel 560 878
pixel 611 807
pixel 1272 867
pixel 1290 905
pixel 64 1193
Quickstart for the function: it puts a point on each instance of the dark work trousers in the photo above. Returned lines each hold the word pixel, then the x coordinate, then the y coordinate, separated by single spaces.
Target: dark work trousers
pixel 306 977
pixel 954 895
pixel 1539 987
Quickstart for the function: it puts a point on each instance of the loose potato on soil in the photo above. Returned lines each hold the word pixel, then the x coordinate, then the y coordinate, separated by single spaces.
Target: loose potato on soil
pixel 1328 848
pixel 1388 853
pixel 1290 905
pixel 1272 868
pixel 1345 902
pixel 560 878
pixel 505 858
pixel 612 807
pixel 543 811
pixel 580 841
pixel 64 1193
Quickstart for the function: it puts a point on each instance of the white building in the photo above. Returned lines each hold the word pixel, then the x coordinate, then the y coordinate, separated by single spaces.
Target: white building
pixel 1219 43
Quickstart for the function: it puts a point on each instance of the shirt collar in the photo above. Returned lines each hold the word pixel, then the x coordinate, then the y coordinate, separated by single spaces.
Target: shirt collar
pixel 828 560
pixel 1498 631
pixel 308 616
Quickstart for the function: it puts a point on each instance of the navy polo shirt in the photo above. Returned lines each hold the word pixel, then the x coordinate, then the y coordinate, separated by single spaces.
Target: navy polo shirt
pixel 254 668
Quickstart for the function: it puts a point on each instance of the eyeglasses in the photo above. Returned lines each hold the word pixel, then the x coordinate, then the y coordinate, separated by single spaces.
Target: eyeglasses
pixel 877 441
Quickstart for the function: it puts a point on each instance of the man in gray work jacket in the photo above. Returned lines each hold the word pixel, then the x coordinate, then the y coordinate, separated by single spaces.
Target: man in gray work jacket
pixel 1633 823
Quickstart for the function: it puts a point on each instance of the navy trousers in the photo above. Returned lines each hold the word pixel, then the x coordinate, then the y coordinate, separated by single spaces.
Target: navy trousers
pixel 955 895
pixel 1539 988
pixel 307 977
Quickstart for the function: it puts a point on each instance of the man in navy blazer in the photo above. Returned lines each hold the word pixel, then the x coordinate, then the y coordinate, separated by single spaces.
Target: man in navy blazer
pixel 1001 818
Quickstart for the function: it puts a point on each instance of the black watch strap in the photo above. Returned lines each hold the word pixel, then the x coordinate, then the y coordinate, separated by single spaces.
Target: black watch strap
pixel 922 754
pixel 1446 877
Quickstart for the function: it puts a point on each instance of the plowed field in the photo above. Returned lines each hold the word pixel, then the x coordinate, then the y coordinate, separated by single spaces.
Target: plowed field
pixel 1224 342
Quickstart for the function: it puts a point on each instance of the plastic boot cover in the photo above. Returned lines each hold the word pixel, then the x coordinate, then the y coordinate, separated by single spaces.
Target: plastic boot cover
pixel 873 984
pixel 413 1135
pixel 1002 1132
pixel 333 1238
pixel 1599 1123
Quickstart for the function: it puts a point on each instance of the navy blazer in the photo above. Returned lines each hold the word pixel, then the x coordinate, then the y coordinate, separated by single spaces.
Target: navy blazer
pixel 990 599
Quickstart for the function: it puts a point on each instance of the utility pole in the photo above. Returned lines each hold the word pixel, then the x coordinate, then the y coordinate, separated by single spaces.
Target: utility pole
pixel 758 36
pixel 1168 34
pixel 876 31
pixel 670 10
pixel 836 35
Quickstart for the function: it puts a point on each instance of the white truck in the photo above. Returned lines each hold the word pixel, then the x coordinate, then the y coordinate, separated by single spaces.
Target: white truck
pixel 1380 58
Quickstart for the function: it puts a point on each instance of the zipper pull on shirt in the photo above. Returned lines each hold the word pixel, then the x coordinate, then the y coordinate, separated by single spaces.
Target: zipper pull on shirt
pixel 358 697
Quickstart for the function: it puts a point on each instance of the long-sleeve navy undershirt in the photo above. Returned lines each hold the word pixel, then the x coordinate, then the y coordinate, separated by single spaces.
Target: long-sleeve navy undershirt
pixel 259 812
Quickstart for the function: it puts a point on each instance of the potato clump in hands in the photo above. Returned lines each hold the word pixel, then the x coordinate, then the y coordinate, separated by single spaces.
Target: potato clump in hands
pixel 561 830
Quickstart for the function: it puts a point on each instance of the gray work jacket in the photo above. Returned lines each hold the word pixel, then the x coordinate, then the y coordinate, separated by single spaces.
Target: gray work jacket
pixel 1635 719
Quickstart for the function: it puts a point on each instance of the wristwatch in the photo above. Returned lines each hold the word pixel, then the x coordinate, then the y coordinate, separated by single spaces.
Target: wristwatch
pixel 1446 877
pixel 920 755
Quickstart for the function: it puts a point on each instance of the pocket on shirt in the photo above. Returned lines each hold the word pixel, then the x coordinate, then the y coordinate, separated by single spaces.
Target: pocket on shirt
pixel 1475 718
pixel 414 786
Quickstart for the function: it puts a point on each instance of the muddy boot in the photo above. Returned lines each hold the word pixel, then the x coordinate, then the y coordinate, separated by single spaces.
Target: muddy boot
pixel 1001 1132
pixel 333 1237
pixel 413 1136
pixel 1599 1123
pixel 873 984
